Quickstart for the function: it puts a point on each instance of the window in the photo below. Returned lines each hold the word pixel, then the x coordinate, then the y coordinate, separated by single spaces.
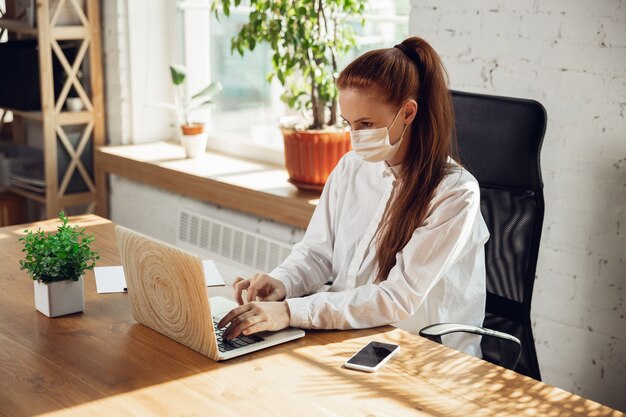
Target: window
pixel 246 112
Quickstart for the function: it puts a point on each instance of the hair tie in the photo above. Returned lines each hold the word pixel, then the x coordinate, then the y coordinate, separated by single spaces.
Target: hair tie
pixel 413 56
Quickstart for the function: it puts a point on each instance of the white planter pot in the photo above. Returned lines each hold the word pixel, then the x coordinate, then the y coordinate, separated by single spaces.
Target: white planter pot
pixel 195 145
pixel 59 298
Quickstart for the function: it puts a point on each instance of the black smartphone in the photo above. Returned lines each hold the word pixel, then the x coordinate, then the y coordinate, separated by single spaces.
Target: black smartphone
pixel 372 356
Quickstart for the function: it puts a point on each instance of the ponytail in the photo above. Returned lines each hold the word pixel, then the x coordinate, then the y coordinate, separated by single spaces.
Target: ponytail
pixel 410 70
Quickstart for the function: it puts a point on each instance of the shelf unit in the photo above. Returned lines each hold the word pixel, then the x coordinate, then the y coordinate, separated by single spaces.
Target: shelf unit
pixel 52 115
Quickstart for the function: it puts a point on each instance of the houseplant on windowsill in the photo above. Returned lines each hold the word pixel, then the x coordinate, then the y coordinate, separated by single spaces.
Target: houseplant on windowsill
pixel 57 263
pixel 307 39
pixel 193 135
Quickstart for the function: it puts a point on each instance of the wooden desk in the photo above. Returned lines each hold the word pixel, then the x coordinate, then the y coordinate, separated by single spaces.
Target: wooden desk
pixel 102 363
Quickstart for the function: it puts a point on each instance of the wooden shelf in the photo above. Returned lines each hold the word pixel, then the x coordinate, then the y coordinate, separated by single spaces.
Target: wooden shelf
pixel 71 118
pixel 32 115
pixel 70 32
pixel 58 32
pixel 17 27
pixel 47 34
pixel 27 194
pixel 63 118
pixel 74 199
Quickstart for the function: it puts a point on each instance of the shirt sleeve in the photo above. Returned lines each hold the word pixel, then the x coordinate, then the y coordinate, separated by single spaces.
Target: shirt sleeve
pixel 437 244
pixel 309 265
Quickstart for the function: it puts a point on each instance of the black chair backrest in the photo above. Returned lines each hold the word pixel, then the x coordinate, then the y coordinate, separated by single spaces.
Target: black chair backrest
pixel 499 140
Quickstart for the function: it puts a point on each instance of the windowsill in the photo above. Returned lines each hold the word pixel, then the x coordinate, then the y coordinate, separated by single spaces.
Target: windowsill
pixel 253 187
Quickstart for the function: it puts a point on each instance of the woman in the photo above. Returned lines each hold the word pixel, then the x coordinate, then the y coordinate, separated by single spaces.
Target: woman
pixel 398 229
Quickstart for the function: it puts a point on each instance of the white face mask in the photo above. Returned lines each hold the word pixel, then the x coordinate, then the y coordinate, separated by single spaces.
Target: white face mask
pixel 373 144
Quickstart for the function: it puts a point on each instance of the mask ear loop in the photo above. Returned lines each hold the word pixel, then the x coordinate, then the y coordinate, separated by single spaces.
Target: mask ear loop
pixel 394 120
pixel 403 130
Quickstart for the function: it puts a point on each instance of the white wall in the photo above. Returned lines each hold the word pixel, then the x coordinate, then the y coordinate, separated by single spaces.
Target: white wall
pixel 138 43
pixel 154 212
pixel 568 55
pixel 571 57
pixel 116 62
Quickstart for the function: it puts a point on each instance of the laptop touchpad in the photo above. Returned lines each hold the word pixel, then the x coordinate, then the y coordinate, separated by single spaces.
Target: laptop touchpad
pixel 220 306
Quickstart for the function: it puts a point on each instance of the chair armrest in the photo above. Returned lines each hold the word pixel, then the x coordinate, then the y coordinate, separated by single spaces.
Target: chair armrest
pixel 440 329
pixel 435 331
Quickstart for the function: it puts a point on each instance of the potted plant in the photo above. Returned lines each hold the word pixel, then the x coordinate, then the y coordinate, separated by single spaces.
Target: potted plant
pixel 193 136
pixel 307 39
pixel 57 263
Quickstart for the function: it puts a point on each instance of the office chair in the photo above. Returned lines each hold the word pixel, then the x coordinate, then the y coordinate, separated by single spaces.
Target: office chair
pixel 499 140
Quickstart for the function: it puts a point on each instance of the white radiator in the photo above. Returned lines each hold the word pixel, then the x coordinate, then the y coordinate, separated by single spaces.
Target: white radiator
pixel 223 242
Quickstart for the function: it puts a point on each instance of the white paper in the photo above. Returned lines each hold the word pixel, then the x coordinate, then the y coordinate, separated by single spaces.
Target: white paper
pixel 111 278
pixel 211 274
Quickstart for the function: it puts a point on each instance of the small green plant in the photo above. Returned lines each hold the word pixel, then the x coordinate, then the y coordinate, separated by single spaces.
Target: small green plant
pixel 186 104
pixel 64 255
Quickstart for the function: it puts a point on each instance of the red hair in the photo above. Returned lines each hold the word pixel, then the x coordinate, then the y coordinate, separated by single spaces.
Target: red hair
pixel 399 77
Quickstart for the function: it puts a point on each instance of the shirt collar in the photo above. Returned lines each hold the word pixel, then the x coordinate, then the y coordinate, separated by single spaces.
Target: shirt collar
pixel 387 170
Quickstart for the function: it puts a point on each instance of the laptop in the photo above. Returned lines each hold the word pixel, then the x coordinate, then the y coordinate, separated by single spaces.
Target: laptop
pixel 168 293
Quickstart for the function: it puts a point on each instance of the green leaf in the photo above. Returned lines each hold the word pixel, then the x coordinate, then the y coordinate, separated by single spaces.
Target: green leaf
pixel 202 105
pixel 178 73
pixel 209 90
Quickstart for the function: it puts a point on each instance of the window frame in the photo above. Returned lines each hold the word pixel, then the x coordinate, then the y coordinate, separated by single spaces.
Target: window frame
pixel 199 74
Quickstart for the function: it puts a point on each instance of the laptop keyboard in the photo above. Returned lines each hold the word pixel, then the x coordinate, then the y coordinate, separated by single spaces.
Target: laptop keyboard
pixel 236 343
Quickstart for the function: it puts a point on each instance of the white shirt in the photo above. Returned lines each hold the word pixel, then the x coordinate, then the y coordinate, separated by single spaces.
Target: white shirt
pixel 439 276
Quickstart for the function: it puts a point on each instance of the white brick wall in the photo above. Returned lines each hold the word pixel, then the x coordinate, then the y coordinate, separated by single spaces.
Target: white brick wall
pixel 116 68
pixel 570 56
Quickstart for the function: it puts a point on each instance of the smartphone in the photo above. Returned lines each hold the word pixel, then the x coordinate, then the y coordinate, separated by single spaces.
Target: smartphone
pixel 372 356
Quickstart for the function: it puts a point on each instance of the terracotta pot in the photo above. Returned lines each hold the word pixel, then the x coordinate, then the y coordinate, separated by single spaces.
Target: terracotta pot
pixel 310 155
pixel 193 129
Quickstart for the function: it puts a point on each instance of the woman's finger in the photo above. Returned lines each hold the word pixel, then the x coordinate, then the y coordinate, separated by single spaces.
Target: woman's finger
pixel 237 280
pixel 257 284
pixel 232 314
pixel 248 320
pixel 240 285
pixel 256 328
pixel 236 322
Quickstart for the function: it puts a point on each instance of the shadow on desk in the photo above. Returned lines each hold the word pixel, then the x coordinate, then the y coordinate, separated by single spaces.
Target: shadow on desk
pixel 440 382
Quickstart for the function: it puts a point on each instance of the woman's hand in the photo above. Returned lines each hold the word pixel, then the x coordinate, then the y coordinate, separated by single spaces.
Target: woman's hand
pixel 255 317
pixel 260 285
